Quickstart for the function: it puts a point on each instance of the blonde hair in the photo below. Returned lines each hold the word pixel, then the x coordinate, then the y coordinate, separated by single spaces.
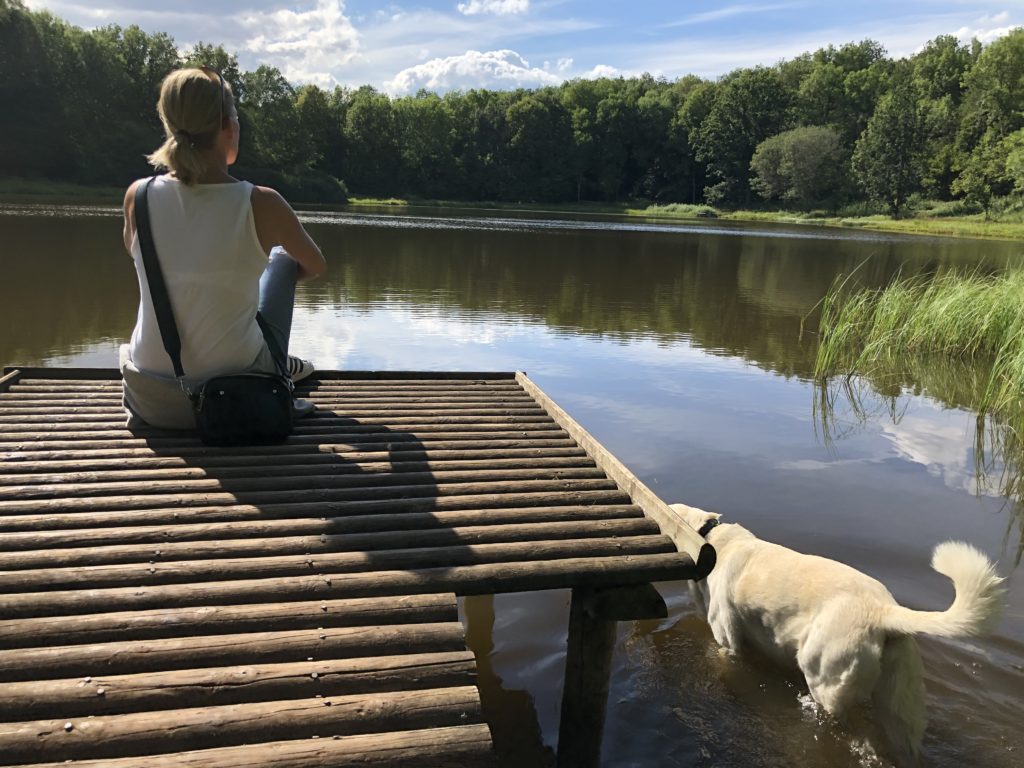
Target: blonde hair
pixel 193 112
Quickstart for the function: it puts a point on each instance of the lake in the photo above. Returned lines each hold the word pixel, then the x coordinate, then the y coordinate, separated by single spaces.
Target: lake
pixel 679 346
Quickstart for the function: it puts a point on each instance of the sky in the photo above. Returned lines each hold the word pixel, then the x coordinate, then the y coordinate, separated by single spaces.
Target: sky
pixel 442 45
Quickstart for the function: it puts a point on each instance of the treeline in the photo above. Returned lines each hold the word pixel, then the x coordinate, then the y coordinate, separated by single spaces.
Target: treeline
pixel 822 130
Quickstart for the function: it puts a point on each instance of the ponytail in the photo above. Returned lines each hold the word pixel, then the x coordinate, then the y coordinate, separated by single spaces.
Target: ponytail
pixel 192 113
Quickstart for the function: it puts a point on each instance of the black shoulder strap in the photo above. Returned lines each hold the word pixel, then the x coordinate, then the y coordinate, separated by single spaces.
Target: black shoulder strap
pixel 275 349
pixel 155 278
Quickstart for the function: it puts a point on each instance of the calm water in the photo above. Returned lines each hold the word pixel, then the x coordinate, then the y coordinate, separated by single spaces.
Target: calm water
pixel 677 346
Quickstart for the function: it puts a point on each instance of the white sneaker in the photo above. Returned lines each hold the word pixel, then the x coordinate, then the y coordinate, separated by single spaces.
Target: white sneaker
pixel 298 368
pixel 301 407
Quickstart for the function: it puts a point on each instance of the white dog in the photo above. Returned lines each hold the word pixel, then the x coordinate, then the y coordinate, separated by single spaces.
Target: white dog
pixel 849 637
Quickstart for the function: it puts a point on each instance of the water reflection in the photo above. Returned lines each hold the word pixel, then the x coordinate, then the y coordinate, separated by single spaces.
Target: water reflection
pixel 976 453
pixel 738 296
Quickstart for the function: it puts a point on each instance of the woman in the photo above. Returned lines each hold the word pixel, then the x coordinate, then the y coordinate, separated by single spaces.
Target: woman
pixel 213 236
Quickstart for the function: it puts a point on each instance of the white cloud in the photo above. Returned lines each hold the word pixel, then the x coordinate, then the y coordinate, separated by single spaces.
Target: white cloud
pixel 601 70
pixel 564 64
pixel 308 46
pixel 985 34
pixel 497 7
pixel 942 443
pixel 473 69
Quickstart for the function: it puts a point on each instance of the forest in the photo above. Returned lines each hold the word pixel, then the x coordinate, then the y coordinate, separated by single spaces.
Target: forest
pixel 839 126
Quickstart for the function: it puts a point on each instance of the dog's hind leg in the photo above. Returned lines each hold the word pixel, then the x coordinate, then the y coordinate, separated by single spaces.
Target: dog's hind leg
pixel 899 698
pixel 840 675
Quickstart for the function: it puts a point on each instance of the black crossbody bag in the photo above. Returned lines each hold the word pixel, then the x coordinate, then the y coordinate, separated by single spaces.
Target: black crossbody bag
pixel 237 409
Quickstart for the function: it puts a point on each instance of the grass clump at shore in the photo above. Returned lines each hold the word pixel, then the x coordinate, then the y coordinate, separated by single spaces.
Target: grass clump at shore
pixel 678 209
pixel 970 316
pixel 1004 221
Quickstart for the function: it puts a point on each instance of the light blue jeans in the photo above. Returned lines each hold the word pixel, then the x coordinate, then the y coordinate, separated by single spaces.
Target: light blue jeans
pixel 277 298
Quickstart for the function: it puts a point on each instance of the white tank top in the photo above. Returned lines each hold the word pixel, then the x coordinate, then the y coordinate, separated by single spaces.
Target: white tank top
pixel 211 259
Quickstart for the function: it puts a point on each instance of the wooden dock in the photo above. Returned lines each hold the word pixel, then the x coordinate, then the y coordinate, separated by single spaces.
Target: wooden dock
pixel 166 603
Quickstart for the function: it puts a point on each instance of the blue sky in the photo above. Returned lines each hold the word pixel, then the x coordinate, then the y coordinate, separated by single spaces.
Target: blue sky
pixel 441 45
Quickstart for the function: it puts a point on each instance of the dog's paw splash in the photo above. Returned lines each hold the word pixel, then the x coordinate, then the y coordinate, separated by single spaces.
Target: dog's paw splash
pixel 866 756
pixel 861 748
pixel 810 710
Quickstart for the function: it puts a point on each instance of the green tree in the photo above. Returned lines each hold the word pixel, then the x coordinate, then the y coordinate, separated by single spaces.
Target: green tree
pixel 32 87
pixel 685 128
pixel 1014 144
pixel 887 156
pixel 750 106
pixel 983 175
pixel 425 145
pixel 317 124
pixel 821 96
pixel 803 165
pixel 993 109
pixel 277 139
pixel 540 133
pixel 940 67
pixel 371 138
pixel 994 92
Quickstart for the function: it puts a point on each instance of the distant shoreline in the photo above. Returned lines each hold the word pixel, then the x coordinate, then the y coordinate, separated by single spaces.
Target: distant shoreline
pixel 973 226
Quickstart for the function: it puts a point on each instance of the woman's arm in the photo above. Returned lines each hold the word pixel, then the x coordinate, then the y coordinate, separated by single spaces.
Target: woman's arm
pixel 277 224
pixel 129 216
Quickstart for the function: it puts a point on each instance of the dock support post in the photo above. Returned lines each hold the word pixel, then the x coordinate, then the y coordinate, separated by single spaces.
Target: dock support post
pixel 593 619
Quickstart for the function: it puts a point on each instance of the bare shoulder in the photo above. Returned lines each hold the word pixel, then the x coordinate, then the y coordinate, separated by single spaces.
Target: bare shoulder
pixel 129 213
pixel 129 195
pixel 268 201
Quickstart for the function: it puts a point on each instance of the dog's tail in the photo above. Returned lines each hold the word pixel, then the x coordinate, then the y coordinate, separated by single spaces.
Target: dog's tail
pixel 977 602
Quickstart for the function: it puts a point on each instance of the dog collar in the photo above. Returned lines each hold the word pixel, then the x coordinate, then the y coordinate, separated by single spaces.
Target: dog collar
pixel 705 529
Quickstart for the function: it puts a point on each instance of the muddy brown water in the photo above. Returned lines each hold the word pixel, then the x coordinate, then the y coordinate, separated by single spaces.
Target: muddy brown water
pixel 679 347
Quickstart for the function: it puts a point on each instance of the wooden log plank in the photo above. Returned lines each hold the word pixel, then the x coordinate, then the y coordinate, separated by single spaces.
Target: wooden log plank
pixel 372 461
pixel 163 623
pixel 317 536
pixel 213 456
pixel 303 432
pixel 248 521
pixel 412 473
pixel 235 725
pixel 218 686
pixel 9 379
pixel 113 398
pixel 469 377
pixel 114 417
pixel 87 429
pixel 23 547
pixel 350 435
pixel 62 373
pixel 427 488
pixel 228 466
pixel 636 561
pixel 309 385
pixel 167 654
pixel 227 477
pixel 466 746
pixel 391 550
pixel 671 523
